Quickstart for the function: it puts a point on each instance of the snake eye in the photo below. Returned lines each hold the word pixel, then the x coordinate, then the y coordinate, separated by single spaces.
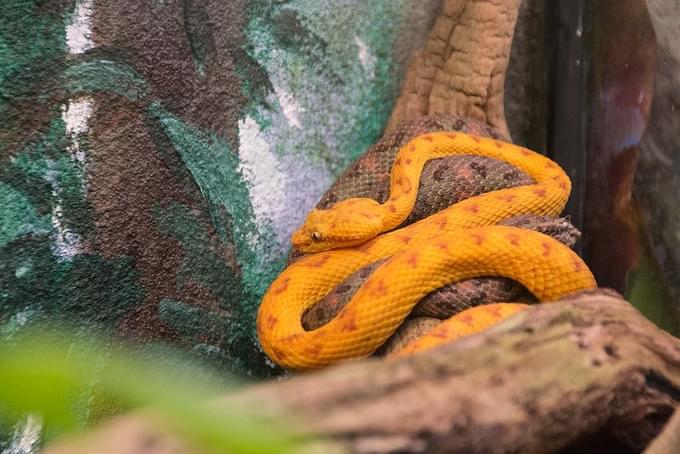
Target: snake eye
pixel 316 236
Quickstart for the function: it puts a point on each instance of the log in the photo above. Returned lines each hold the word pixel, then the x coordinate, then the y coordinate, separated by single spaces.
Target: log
pixel 575 374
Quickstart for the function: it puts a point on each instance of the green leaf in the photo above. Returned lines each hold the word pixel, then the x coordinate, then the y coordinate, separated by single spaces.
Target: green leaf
pixel 44 374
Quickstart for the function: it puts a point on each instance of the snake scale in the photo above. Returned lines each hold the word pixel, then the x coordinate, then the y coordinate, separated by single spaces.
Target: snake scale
pixel 417 241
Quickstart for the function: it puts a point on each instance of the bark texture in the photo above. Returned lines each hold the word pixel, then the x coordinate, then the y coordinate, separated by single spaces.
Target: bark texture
pixel 461 70
pixel 669 440
pixel 568 375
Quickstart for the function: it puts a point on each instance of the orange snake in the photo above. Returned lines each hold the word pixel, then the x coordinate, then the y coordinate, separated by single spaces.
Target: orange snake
pixel 457 243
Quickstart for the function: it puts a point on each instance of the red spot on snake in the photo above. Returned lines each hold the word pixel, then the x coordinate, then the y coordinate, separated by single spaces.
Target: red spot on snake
pixel 479 238
pixel 412 259
pixel 469 285
pixel 563 185
pixel 451 136
pixel 313 350
pixel 408 161
pixel 291 338
pixel 369 165
pixel 406 185
pixel 556 177
pixel 379 288
pixel 578 265
pixel 507 197
pixel 412 147
pixel 472 208
pixel 474 137
pixel 428 138
pixel 547 247
pixel 365 246
pixel 525 152
pixel 368 215
pixel 443 246
pixel 498 144
pixel 349 322
pixel 397 161
pixel 513 238
pixel 271 322
pixel 442 222
pixel 550 165
pixel 467 319
pixel 539 192
pixel 494 311
pixel 317 261
pixel 404 239
pixel 440 333
pixel 282 286
pixel 279 354
pixel 392 208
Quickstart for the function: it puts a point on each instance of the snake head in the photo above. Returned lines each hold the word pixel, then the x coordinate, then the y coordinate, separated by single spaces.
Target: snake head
pixel 347 223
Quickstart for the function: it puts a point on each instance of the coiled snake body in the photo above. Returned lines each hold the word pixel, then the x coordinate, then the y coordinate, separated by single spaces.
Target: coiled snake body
pixel 456 243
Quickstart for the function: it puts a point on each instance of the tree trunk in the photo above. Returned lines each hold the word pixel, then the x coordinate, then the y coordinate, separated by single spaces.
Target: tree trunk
pixel 584 372
pixel 461 70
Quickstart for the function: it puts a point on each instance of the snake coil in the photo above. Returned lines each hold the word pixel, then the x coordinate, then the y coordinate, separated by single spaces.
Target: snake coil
pixel 459 242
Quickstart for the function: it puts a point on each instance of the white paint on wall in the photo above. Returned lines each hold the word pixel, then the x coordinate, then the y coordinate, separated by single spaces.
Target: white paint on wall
pixel 79 30
pixel 366 58
pixel 76 115
pixel 305 183
pixel 261 169
pixel 291 109
pixel 26 438
pixel 65 243
pixel 282 187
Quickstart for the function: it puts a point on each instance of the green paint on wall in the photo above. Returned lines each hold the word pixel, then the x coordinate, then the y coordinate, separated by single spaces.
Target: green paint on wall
pixel 336 65
pixel 87 289
pixel 199 31
pixel 202 261
pixel 215 169
pixel 32 46
pixel 105 75
pixel 47 159
pixel 191 322
pixel 19 217
pixel 302 52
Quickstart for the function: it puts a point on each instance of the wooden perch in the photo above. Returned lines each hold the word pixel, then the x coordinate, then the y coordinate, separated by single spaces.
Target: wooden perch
pixel 573 374
pixel 669 440
pixel 461 70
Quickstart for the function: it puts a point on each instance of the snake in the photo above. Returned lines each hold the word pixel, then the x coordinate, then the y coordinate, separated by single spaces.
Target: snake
pixel 459 242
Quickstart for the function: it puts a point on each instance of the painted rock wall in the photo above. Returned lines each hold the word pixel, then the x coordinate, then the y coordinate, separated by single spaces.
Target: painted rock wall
pixel 155 155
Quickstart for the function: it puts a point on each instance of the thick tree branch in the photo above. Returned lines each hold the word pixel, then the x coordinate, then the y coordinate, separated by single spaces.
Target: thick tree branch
pixel 669 440
pixel 558 375
pixel 461 70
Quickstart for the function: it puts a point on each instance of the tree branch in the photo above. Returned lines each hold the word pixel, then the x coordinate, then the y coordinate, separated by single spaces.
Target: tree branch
pixel 559 375
pixel 669 440
pixel 461 70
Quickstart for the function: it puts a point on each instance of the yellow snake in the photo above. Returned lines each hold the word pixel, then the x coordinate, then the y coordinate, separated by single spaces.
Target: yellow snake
pixel 457 243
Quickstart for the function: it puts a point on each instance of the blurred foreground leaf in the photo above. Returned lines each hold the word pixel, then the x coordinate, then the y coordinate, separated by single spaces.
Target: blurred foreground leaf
pixel 47 374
